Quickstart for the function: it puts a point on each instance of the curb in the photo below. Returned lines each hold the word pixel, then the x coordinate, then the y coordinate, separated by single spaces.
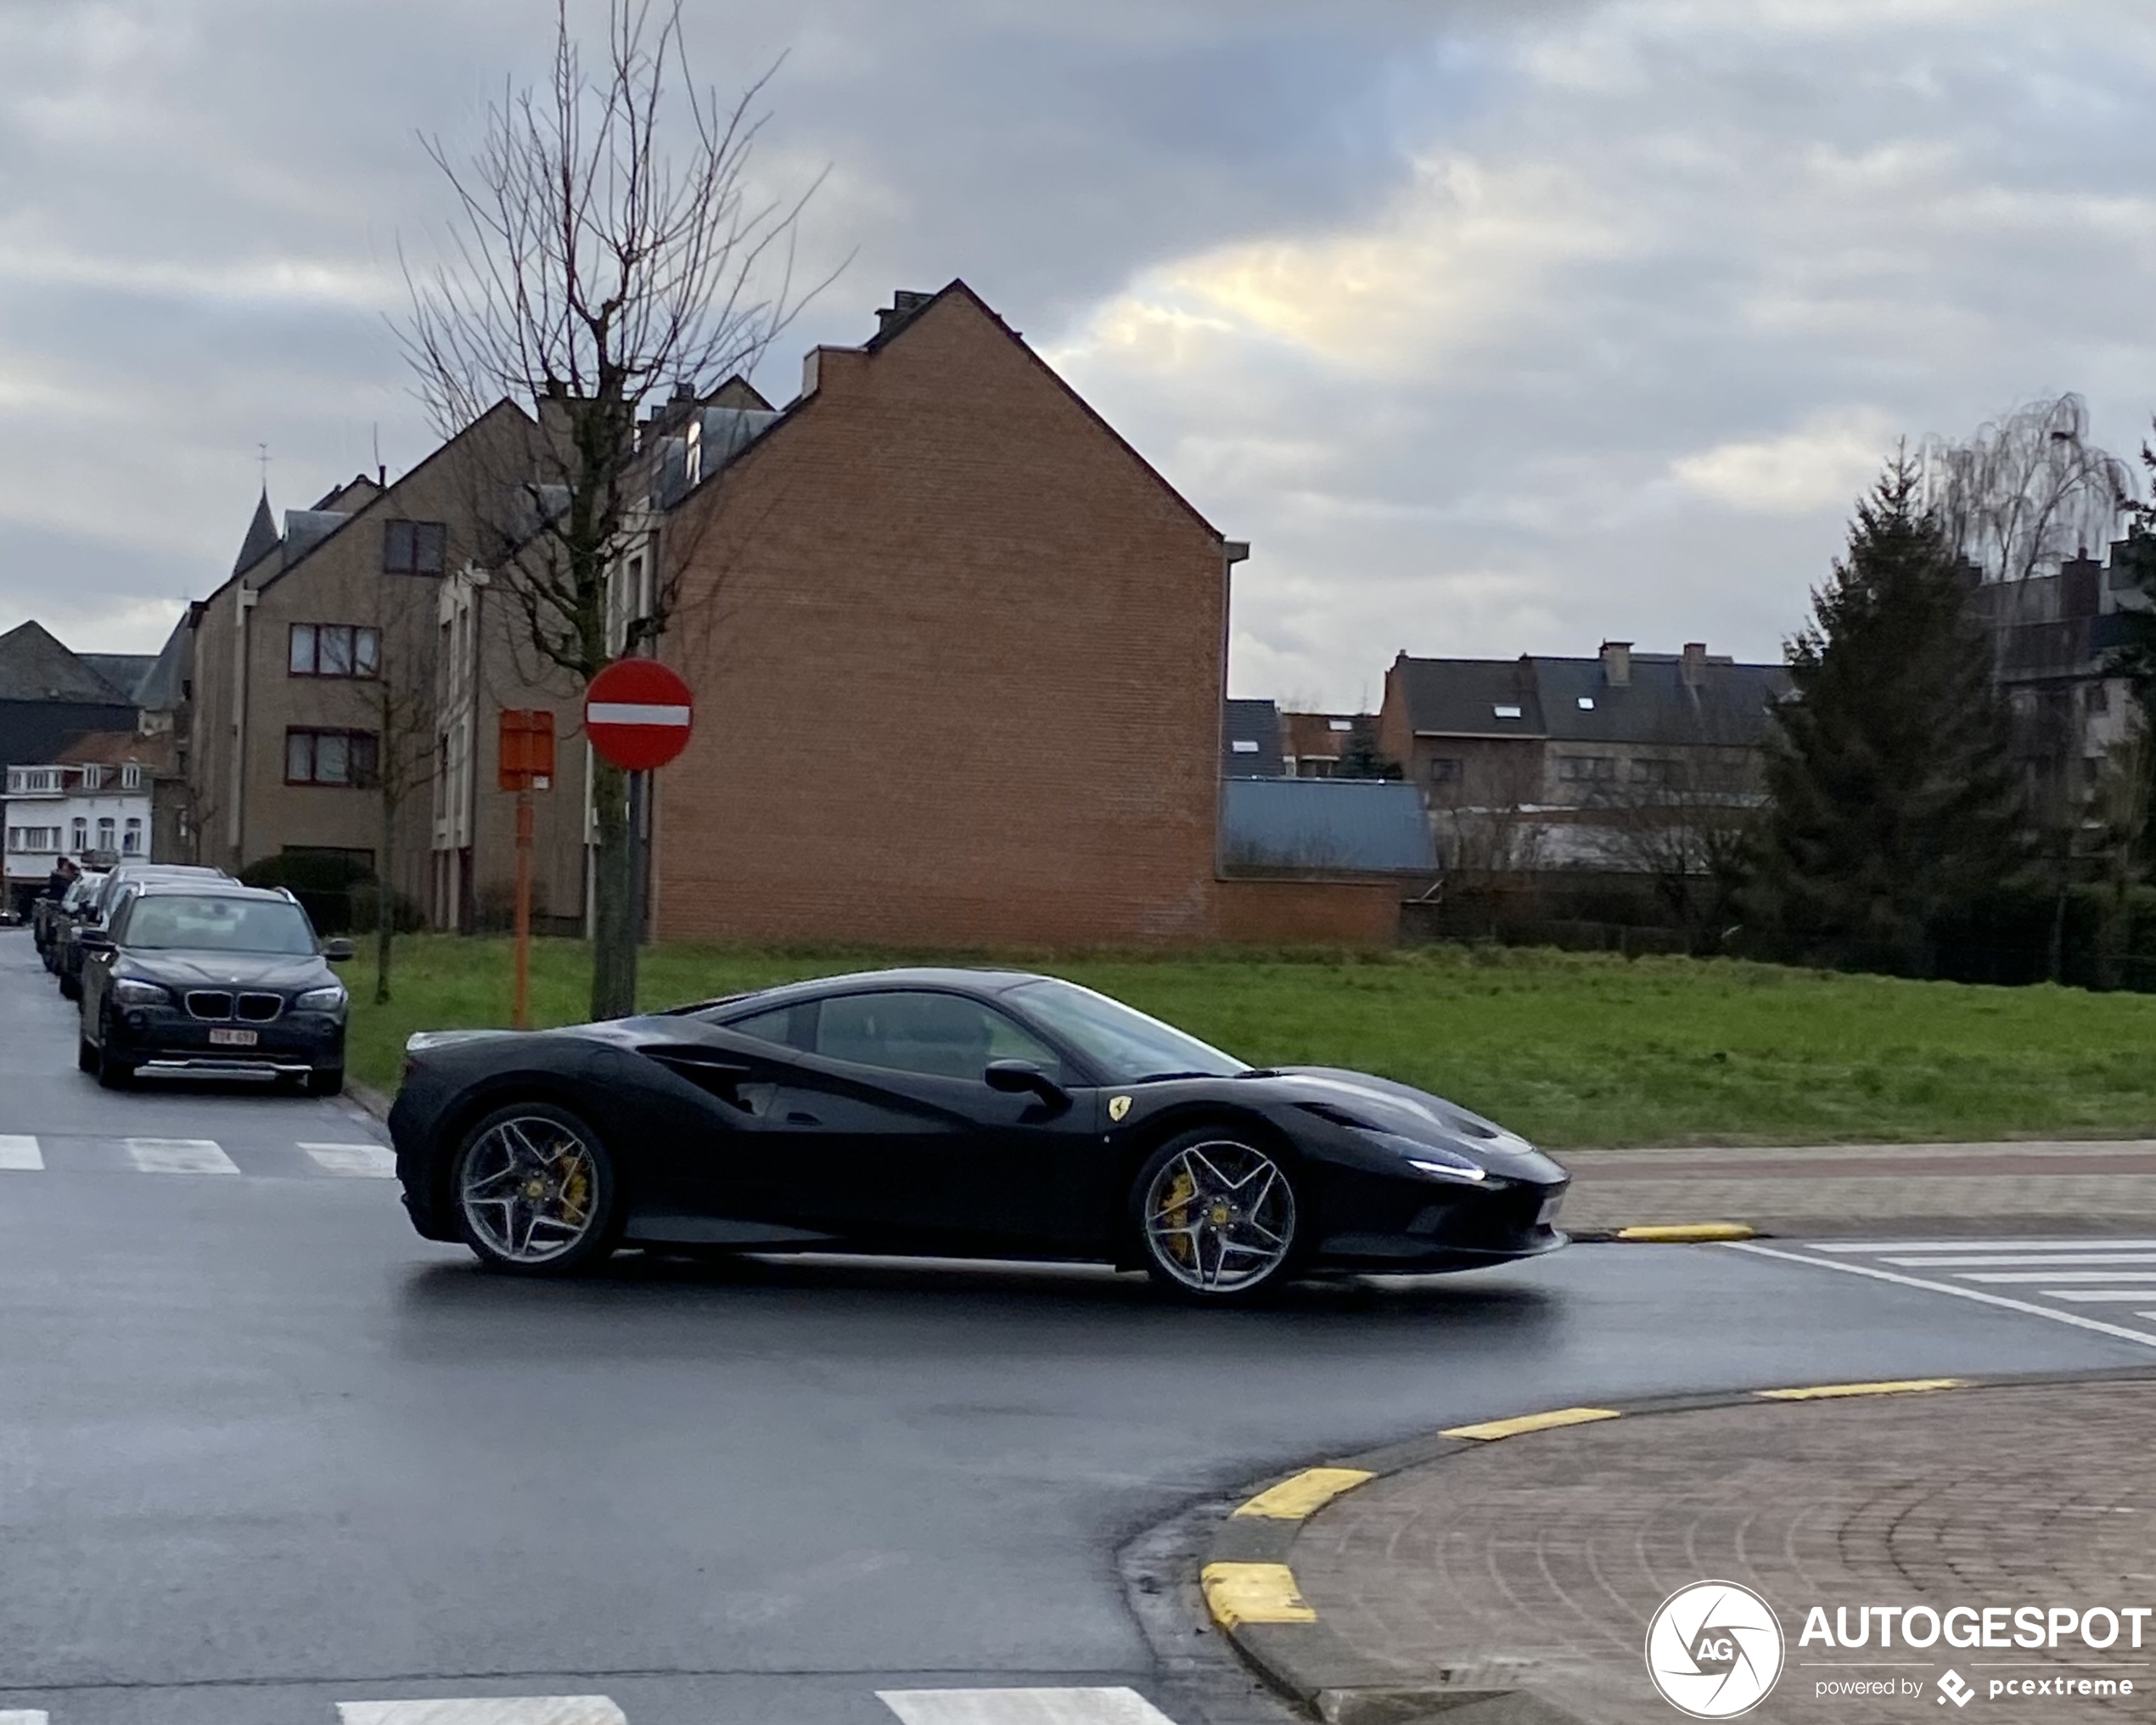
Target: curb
pixel 1250 1592
pixel 1668 1233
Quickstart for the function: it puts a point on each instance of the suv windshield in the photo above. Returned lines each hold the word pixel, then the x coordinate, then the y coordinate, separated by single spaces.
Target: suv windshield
pixel 1126 1045
pixel 207 924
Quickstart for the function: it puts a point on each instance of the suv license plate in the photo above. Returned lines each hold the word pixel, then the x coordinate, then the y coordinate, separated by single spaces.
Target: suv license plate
pixel 233 1039
pixel 1548 1213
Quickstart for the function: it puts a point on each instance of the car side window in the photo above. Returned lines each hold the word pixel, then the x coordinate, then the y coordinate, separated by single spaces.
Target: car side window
pixel 790 1026
pixel 936 1035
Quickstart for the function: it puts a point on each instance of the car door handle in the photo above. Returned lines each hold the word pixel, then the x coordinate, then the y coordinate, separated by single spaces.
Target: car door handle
pixel 797 1116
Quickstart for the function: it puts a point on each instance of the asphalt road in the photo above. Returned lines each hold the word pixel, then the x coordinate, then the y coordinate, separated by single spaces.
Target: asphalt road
pixel 262 1450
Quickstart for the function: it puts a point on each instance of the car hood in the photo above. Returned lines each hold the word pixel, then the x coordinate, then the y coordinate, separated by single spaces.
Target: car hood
pixel 1357 1099
pixel 181 970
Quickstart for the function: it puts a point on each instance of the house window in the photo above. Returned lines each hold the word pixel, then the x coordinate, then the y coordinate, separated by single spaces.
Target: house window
pixel 1587 769
pixel 130 776
pixel 334 649
pixel 1505 711
pixel 413 548
pixel 80 833
pixel 14 838
pixel 105 832
pixel 131 841
pixel 329 757
pixel 93 777
pixel 1445 769
pixel 1653 772
pixel 1340 724
pixel 1243 745
pixel 2099 697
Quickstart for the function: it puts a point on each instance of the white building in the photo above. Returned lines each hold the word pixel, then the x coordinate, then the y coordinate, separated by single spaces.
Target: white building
pixel 97 811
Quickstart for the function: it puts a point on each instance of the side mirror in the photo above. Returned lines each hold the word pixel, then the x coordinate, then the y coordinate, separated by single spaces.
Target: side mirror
pixel 1024 1078
pixel 337 950
pixel 93 938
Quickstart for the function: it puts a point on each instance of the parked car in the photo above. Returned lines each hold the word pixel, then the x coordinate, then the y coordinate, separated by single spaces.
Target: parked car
pixel 53 916
pixel 211 978
pixel 981 1113
pixel 106 898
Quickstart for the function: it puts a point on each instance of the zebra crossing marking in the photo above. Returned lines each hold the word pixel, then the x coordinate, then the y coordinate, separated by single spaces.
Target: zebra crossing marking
pixel 179 1156
pixel 2043 1270
pixel 491 1709
pixel 353 1161
pixel 18 1150
pixel 1063 1706
pixel 22 1716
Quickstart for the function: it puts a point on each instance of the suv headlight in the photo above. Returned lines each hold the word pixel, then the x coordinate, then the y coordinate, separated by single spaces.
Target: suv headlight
pixel 127 991
pixel 329 999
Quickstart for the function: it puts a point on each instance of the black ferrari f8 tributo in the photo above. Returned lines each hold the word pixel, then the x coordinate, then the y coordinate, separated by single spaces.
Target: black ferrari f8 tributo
pixel 949 1113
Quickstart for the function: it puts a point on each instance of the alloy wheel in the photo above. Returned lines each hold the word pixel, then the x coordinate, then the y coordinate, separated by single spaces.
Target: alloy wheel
pixel 1219 1217
pixel 530 1189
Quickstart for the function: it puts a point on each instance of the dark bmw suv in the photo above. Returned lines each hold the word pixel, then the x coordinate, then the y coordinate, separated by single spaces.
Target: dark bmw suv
pixel 215 980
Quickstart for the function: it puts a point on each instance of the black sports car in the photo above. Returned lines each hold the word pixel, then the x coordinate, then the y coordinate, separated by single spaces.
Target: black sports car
pixel 957 1113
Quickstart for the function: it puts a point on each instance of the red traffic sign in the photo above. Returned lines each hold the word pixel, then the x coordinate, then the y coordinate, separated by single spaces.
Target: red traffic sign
pixel 637 714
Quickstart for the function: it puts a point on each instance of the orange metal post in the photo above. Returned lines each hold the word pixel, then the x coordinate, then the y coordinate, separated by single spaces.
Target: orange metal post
pixel 520 1006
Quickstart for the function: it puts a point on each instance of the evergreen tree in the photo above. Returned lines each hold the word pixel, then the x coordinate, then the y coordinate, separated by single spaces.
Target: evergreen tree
pixel 1361 758
pixel 1893 797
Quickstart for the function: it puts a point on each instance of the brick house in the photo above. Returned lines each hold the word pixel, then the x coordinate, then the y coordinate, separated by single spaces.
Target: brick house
pixel 1543 762
pixel 1312 743
pixel 959 653
pixel 313 693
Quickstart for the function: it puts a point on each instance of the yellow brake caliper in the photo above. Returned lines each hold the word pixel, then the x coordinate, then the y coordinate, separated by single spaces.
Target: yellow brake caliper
pixel 1182 1243
pixel 575 1190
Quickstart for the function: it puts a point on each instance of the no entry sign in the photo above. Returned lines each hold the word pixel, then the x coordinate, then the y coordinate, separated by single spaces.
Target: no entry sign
pixel 637 713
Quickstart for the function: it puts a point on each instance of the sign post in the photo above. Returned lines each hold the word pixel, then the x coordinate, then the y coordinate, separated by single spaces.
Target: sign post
pixel 524 763
pixel 638 715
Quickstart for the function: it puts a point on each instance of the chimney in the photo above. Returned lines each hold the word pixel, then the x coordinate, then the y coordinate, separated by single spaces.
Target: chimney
pixel 1617 664
pixel 904 304
pixel 1695 665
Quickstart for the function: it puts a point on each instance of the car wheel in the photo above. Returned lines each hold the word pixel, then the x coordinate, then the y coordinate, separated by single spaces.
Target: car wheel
pixel 86 1053
pixel 1217 1217
pixel 329 1081
pixel 534 1191
pixel 113 1074
pixel 69 988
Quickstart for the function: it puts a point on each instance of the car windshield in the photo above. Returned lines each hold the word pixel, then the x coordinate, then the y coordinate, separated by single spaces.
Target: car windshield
pixel 1123 1043
pixel 208 924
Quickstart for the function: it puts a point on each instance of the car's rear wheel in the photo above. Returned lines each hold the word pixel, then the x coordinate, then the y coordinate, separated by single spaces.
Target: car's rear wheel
pixel 1216 1216
pixel 86 1053
pixel 535 1192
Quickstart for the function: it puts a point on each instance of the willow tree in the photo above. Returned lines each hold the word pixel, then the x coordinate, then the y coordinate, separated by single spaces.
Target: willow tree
pixel 2027 491
pixel 609 246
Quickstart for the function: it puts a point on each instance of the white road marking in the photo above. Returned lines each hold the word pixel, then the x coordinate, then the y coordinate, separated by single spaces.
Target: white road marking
pixel 18 1150
pixel 2097 1296
pixel 179 1156
pixel 355 1161
pixel 1987 1260
pixel 1862 1247
pixel 2035 1276
pixel 491 1709
pixel 1072 1706
pixel 22 1717
pixel 2143 1337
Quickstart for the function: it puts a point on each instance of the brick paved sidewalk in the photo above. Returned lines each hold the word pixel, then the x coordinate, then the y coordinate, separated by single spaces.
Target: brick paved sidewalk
pixel 1536 1562
pixel 1851 1189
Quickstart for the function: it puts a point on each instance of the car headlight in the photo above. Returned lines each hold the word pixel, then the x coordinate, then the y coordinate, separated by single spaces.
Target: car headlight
pixel 127 991
pixel 1429 1159
pixel 329 999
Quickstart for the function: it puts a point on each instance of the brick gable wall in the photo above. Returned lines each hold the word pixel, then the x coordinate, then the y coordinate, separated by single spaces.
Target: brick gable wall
pixel 958 657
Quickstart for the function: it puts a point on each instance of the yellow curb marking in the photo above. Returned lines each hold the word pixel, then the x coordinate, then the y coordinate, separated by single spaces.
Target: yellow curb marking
pixel 1491 1430
pixel 1688 1233
pixel 1305 1495
pixel 1821 1392
pixel 1253 1593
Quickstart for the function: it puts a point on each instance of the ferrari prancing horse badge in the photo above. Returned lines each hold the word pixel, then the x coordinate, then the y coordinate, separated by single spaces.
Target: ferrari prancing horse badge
pixel 1118 1106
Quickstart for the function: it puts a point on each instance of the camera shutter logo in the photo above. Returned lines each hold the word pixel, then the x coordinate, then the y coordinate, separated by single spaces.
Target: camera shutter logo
pixel 1713 1649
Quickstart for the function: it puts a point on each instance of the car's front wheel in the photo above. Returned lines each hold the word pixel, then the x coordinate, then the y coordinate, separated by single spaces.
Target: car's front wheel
pixel 534 1191
pixel 1216 1216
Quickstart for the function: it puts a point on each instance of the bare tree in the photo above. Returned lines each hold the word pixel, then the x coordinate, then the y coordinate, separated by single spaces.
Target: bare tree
pixel 403 715
pixel 2028 490
pixel 1687 824
pixel 610 244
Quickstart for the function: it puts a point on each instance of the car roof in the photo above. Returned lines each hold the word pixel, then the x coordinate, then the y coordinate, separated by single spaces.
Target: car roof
pixel 225 888
pixel 964 981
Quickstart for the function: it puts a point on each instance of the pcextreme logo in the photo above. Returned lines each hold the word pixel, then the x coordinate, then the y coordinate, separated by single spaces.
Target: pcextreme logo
pixel 1713 1649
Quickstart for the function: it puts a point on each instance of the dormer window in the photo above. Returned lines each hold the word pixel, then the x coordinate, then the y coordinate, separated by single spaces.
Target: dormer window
pixel 130 776
pixel 93 777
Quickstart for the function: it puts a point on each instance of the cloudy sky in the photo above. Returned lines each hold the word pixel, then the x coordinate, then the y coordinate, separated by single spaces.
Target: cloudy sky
pixel 1495 325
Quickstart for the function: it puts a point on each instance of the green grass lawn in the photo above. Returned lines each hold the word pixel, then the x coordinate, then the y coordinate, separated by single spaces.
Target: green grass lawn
pixel 1573 1049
